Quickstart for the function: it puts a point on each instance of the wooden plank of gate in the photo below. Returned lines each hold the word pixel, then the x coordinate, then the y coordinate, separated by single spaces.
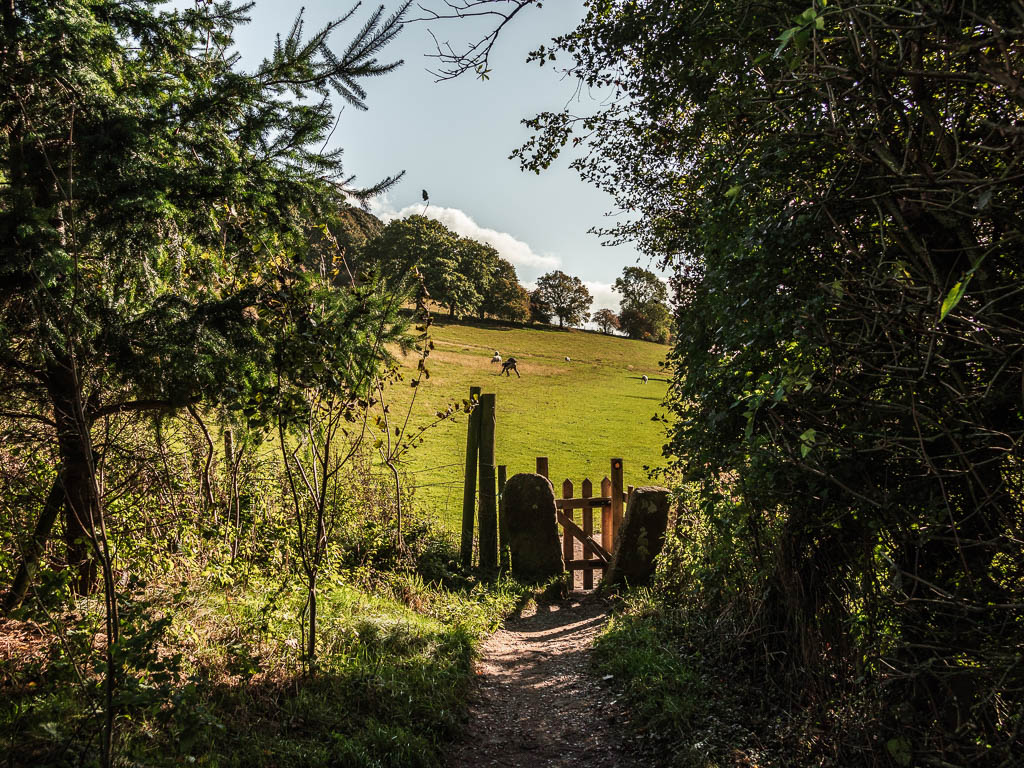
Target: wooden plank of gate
pixel 594 501
pixel 586 491
pixel 568 547
pixel 599 552
pixel 606 516
pixel 617 498
pixel 587 566
pixel 542 465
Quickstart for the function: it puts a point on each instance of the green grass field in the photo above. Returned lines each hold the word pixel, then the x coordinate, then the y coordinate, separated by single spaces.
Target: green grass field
pixel 580 414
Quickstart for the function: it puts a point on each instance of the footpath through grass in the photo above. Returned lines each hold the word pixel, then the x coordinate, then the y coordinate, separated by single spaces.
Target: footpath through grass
pixel 579 414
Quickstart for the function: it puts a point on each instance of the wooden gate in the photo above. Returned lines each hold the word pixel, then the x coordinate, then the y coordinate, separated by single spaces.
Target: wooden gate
pixel 596 555
pixel 593 554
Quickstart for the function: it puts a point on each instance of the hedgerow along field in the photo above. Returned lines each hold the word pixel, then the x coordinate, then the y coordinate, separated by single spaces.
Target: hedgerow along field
pixel 579 414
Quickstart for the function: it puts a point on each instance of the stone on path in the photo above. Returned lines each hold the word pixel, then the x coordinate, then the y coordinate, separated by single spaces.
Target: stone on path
pixel 641 537
pixel 528 505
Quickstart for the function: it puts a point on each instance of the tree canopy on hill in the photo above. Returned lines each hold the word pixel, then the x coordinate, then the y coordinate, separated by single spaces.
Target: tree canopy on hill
pixel 606 320
pixel 644 310
pixel 507 298
pixel 352 227
pixel 567 296
pixel 540 310
pixel 460 273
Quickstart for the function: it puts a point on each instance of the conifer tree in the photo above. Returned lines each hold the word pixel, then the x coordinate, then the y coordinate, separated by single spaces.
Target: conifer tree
pixel 154 217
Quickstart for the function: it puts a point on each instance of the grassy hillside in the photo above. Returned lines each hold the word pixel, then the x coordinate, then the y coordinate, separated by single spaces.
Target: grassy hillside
pixel 579 414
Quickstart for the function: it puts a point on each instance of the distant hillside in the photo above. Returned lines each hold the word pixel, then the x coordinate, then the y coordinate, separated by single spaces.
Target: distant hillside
pixel 579 412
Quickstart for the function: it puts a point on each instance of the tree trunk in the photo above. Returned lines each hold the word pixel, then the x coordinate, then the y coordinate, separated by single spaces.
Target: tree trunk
pixel 311 646
pixel 81 507
pixel 34 547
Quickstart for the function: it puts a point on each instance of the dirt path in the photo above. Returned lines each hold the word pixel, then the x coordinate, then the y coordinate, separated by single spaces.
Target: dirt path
pixel 538 702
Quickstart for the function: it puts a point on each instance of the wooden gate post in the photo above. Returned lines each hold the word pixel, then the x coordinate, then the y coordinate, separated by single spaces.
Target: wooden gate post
pixel 542 466
pixel 617 494
pixel 503 553
pixel 488 494
pixel 469 483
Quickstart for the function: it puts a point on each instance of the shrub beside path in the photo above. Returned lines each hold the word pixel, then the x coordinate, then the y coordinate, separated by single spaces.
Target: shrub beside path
pixel 538 702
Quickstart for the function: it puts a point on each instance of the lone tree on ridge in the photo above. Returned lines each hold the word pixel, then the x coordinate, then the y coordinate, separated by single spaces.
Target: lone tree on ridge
pixel 567 296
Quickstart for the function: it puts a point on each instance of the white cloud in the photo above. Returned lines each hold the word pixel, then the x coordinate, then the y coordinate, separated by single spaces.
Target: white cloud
pixel 604 296
pixel 516 251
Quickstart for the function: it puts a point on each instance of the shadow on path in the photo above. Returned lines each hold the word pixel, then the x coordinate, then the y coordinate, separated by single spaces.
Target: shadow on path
pixel 538 702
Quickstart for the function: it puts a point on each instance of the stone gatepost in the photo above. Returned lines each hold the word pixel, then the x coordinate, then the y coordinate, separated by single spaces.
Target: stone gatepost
pixel 641 538
pixel 528 507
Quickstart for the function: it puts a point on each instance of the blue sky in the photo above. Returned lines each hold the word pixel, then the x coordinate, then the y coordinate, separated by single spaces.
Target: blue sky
pixel 453 139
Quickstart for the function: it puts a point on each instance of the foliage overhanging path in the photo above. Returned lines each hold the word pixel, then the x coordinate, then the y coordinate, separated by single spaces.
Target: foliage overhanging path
pixel 539 701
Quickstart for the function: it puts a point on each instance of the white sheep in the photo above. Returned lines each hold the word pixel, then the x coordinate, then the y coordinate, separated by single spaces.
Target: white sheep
pixel 644 377
pixel 567 359
pixel 496 358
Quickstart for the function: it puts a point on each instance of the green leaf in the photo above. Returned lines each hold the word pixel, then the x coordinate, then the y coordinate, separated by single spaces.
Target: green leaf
pixel 807 442
pixel 784 39
pixel 899 750
pixel 953 297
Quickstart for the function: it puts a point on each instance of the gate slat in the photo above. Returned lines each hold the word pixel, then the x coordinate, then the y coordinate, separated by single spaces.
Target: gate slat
pixel 587 566
pixel 599 552
pixel 594 501
pixel 606 516
pixel 568 547
pixel 618 497
pixel 586 491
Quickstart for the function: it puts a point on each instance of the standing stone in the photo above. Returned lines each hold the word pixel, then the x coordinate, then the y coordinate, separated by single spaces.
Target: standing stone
pixel 528 505
pixel 641 537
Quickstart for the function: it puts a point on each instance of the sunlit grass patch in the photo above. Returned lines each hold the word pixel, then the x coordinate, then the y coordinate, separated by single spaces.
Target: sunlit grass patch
pixel 395 659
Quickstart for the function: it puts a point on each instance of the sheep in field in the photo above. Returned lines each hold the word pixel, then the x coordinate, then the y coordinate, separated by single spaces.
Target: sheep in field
pixel 567 359
pixel 509 365
pixel 644 377
pixel 496 358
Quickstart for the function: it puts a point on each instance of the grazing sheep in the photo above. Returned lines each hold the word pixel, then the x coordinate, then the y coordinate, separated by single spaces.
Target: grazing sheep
pixel 567 359
pixel 496 358
pixel 509 365
pixel 644 377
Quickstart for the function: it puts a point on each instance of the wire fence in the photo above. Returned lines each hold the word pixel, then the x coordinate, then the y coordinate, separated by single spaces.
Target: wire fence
pixel 440 499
